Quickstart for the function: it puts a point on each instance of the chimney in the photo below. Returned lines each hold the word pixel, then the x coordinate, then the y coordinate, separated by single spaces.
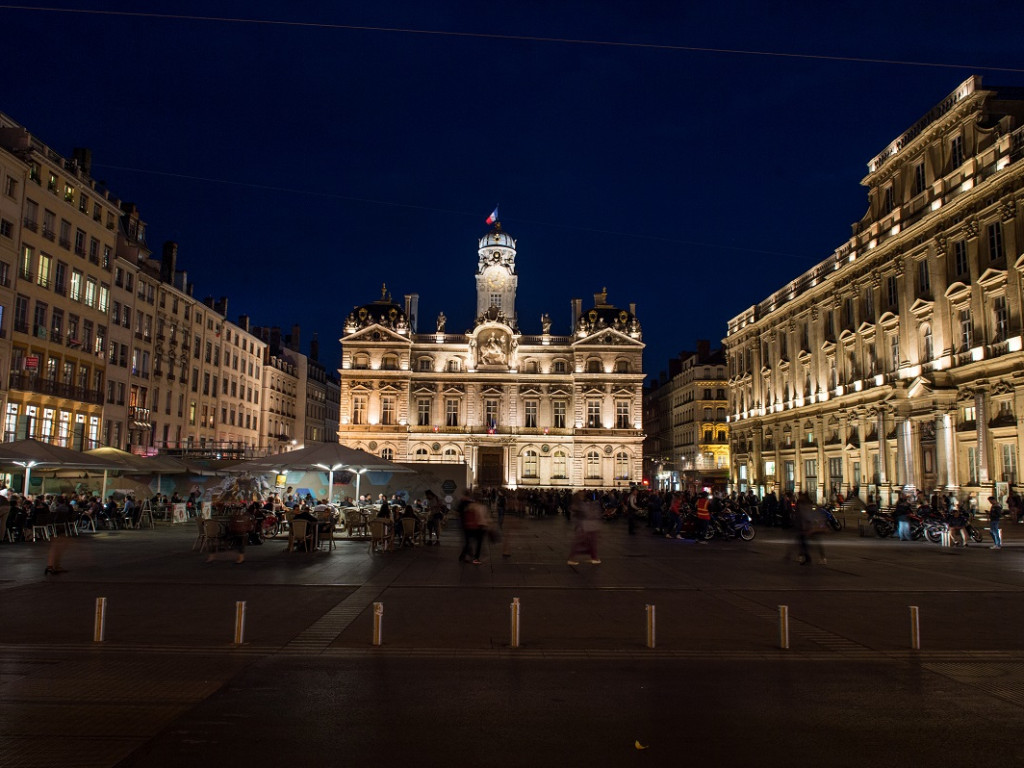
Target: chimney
pixel 703 349
pixel 83 156
pixel 295 345
pixel 577 310
pixel 243 322
pixel 412 309
pixel 632 308
pixel 314 349
pixel 168 262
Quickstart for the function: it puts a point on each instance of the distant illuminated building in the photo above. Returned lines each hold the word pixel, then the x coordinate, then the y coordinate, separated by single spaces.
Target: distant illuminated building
pixel 895 364
pixel 520 409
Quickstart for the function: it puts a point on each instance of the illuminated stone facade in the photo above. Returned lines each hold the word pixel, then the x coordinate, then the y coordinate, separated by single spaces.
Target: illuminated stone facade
pixel 520 409
pixel 685 417
pixel 896 363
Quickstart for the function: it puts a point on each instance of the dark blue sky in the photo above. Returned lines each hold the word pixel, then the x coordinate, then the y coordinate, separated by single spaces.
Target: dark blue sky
pixel 300 166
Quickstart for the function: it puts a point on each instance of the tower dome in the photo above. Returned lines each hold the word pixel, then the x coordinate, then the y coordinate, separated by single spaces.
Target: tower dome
pixel 497 237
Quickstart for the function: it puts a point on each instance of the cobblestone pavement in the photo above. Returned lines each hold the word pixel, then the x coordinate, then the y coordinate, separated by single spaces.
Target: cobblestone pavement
pixel 168 666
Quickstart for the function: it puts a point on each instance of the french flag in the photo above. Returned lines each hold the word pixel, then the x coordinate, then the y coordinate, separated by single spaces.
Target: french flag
pixel 493 217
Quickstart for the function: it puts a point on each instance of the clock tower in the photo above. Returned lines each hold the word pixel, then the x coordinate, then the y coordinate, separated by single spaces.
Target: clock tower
pixel 496 278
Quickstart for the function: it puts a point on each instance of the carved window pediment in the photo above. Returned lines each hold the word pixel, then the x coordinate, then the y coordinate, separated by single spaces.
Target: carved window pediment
pixel 847 337
pixel 992 277
pixel 958 292
pixel 888 321
pixel 804 356
pixel 828 347
pixel 866 329
pixel 922 308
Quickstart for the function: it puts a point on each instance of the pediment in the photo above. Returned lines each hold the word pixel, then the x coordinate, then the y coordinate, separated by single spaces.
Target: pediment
pixel 847 336
pixel 424 389
pixel 389 386
pixel 919 387
pixel 828 347
pixel 622 390
pixel 991 277
pixel 530 389
pixel 608 337
pixel 866 328
pixel 888 320
pixel 491 389
pixel 376 334
pixel 921 308
pixel 559 389
pixel 958 291
pixel 593 390
pixel 804 356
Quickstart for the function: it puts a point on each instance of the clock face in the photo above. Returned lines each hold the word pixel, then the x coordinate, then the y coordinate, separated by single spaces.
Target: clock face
pixel 495 279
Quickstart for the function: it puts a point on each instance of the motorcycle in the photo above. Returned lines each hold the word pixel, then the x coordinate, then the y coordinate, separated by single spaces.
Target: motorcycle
pixel 731 524
pixel 831 520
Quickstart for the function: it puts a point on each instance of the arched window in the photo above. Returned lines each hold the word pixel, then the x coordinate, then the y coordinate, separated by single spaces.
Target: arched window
pixel 559 466
pixel 388 453
pixel 454 365
pixel 360 361
pixel 622 466
pixel 927 349
pixel 421 454
pixel 622 366
pixel 594 366
pixel 593 465
pixel 451 456
pixel 530 464
pixel 560 366
pixel 530 367
pixel 389 363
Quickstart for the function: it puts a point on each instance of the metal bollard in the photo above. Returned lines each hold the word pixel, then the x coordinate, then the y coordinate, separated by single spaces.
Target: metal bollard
pixel 650 626
pixel 945 538
pixel 513 615
pixel 239 622
pixel 915 628
pixel 784 627
pixel 378 622
pixel 100 625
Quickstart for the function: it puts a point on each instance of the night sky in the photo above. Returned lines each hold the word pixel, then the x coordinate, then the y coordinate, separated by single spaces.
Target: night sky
pixel 301 165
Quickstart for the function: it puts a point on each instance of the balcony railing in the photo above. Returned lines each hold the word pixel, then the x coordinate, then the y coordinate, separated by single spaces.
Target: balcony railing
pixel 30 382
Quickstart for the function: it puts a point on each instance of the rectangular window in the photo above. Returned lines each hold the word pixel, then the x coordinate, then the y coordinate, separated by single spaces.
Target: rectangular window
pixel 919 178
pixel 1009 463
pixel 451 412
pixel 966 330
pixel 972 465
pixel 960 258
pixel 894 352
pixel 892 290
pixel 423 412
pixel 90 292
pixel 811 476
pixel 76 285
pixel 530 413
pixel 359 409
pixel 869 305
pixel 1002 318
pixel 593 414
pixel 995 241
pixel 558 415
pixel 43 271
pixel 622 414
pixel 924 283
pixel 956 152
pixel 890 199
pixel 491 413
pixel 387 410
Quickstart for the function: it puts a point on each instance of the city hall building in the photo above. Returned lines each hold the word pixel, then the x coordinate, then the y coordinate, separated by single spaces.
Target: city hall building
pixel 519 409
pixel 896 363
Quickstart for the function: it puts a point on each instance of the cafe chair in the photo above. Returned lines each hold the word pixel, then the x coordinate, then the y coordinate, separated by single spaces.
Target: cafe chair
pixel 326 537
pixel 300 533
pixel 380 535
pixel 213 535
pixel 355 521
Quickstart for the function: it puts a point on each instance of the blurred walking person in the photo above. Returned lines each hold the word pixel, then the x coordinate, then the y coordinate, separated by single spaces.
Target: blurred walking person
pixel 586 516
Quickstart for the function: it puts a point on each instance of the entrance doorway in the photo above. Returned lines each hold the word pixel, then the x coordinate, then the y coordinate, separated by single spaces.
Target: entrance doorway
pixel 490 470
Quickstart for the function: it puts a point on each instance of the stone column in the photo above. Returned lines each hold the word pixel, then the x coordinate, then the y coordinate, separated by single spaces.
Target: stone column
pixel 883 452
pixel 981 428
pixel 905 475
pixel 941 451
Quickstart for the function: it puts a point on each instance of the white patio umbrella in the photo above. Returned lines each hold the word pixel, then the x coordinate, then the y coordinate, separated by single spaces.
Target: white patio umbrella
pixel 130 463
pixel 29 454
pixel 326 457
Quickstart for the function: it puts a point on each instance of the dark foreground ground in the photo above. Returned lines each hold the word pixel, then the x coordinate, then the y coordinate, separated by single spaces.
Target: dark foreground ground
pixel 169 687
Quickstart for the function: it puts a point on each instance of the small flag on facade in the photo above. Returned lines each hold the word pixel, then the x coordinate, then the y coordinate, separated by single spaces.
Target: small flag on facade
pixel 493 217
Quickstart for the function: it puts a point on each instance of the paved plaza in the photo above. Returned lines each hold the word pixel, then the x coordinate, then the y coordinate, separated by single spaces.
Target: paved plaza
pixel 307 686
